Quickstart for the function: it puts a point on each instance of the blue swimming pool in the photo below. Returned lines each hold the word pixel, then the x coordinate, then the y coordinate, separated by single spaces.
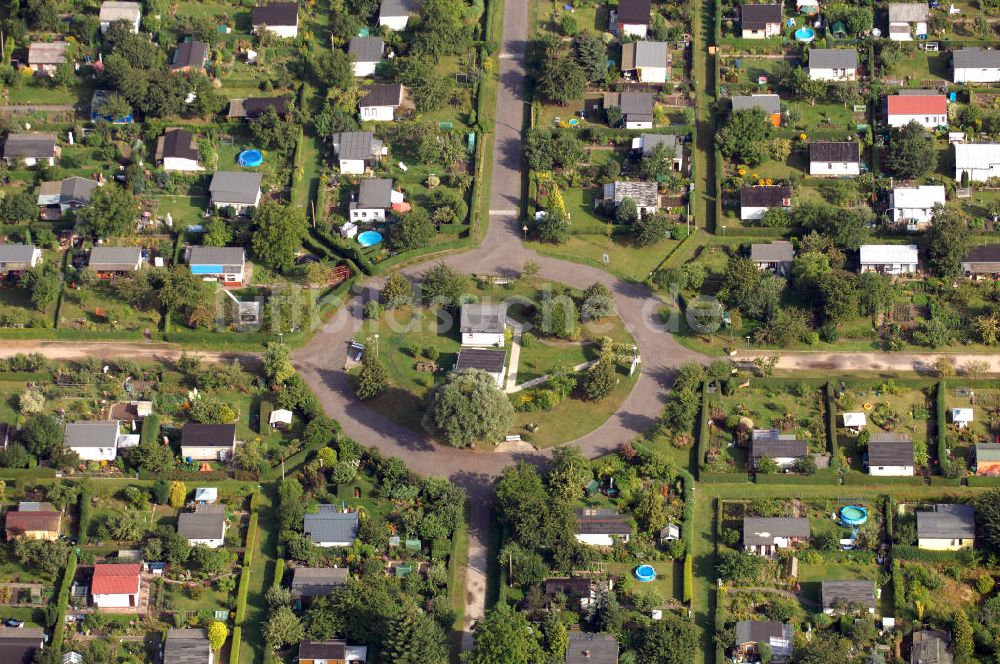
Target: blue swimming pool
pixel 852 515
pixel 805 34
pixel 251 158
pixel 369 238
pixel 645 573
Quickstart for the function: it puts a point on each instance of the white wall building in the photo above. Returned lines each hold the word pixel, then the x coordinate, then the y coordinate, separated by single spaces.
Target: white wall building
pixel 976 65
pixel 928 111
pixel 981 161
pixel 483 325
pixel 915 205
pixel 889 258
pixel 93 441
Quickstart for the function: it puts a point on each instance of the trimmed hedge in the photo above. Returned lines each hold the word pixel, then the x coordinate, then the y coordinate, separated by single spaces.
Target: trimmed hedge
pixel 942 427
pixel 909 552
pixel 62 601
pixel 820 477
pixel 890 515
pixel 687 532
pixel 85 502
pixel 976 480
pixel 234 645
pixel 703 418
pixel 831 427
pixel 899 606
pixel 279 572
pixel 723 478
pixel 688 579
pixel 27 473
pixel 150 431
pixel 863 479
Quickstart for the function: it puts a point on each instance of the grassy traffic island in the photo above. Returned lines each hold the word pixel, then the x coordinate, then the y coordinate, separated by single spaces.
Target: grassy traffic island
pixel 550 365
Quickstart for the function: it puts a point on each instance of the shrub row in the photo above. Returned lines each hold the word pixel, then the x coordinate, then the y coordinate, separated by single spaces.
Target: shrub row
pixel 62 601
pixel 820 477
pixel 831 426
pixel 704 416
pixel 942 428
pixel 890 515
pixel 976 480
pixel 722 478
pixel 244 588
pixel 899 606
pixel 687 532
pixel 85 501
pixel 864 479
pixel 909 552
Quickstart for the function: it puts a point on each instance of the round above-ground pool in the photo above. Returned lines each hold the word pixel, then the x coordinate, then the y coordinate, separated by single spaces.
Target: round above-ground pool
pixel 369 238
pixel 852 515
pixel 805 34
pixel 645 573
pixel 251 158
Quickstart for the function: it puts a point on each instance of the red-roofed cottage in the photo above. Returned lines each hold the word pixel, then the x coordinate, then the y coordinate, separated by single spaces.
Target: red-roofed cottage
pixel 929 111
pixel 115 586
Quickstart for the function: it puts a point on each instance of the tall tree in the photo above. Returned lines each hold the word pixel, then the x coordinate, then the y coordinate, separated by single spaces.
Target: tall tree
pixel 112 212
pixel 591 53
pixel 911 152
pixel 373 379
pixel 947 241
pixel 412 230
pixel 671 640
pixel 397 291
pixel 279 232
pixel 745 136
pixel 442 29
pixel 505 637
pixel 415 638
pixel 469 407
pixel 561 78
pixel 44 284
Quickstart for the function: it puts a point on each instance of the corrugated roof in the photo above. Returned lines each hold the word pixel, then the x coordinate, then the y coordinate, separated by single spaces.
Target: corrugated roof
pixel 317 581
pixel 588 648
pixel 924 196
pixel 976 58
pixel 16 253
pixel 491 361
pixel 482 318
pixel 30 145
pixel 333 649
pixel 889 453
pixel 765 196
pixel 112 579
pixel 276 14
pixel 22 522
pixel 216 256
pixel 186 646
pixel 833 58
pixel 356 145
pixel 762 631
pixel 47 53
pixel 366 49
pixel 770 103
pixel 947 521
pixel 375 193
pixel 567 586
pixel 208 435
pixel 930 646
pixel 989 253
pixel 645 194
pixel 202 524
pixel 235 187
pixel 177 143
pixel 650 141
pixel 602 522
pixel 190 54
pixel 383 94
pixel 780 251
pixel 645 54
pixel 835 151
pixel 254 107
pixel 113 10
pixel 763 530
pixel 114 258
pixel 970 156
pixel 329 525
pixel 778 448
pixel 756 17
pixel 988 452
pixel 91 434
pixel 908 12
pixel 848 592
pixel 888 253
pixel 391 8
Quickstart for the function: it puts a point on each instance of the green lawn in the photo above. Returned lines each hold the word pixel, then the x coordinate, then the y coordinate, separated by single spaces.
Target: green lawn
pixel 544 355
pixel 572 418
pixel 183 210
pixel 924 66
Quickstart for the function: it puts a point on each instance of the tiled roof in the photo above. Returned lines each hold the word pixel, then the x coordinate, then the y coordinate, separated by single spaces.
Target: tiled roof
pixel 112 579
